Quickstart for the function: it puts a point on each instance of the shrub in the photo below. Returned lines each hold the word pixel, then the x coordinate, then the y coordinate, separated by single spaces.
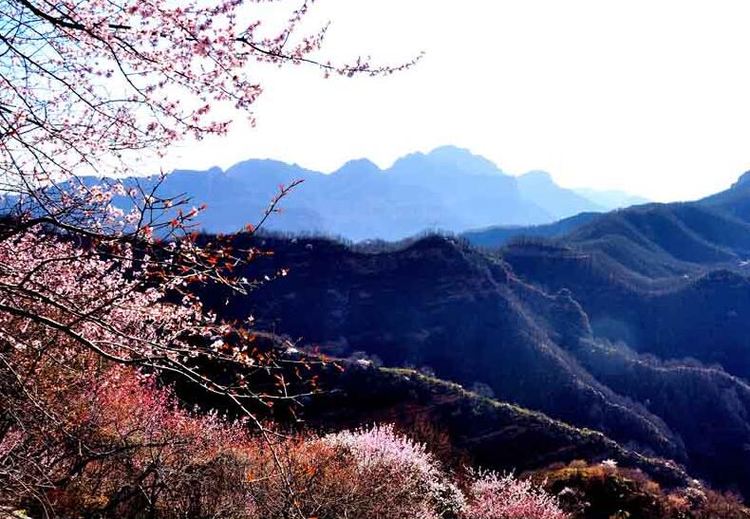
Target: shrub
pixel 410 478
pixel 492 496
pixel 602 490
pixel 368 474
pixel 144 456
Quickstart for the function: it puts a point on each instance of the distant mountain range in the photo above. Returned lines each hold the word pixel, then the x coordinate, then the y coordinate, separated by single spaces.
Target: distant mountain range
pixel 448 189
pixel 650 240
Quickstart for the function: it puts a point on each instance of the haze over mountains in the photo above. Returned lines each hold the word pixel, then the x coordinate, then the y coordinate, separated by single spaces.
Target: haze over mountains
pixel 448 189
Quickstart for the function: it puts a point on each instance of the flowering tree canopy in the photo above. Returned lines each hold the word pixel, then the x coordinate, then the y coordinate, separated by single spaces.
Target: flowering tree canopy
pixel 86 282
pixel 85 84
pixel 492 496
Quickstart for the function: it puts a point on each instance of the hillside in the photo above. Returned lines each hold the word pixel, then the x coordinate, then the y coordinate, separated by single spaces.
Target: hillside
pixel 460 427
pixel 497 236
pixel 651 241
pixel 668 279
pixel 464 426
pixel 698 315
pixel 439 305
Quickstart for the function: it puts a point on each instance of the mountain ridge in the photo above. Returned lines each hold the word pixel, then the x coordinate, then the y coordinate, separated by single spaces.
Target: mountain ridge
pixel 486 319
pixel 631 323
pixel 448 189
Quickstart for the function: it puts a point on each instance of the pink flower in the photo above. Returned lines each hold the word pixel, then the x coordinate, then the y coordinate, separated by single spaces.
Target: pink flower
pixel 492 496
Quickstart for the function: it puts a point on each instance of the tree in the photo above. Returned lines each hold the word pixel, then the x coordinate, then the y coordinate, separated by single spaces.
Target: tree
pixel 84 84
pixel 84 281
pixel 492 496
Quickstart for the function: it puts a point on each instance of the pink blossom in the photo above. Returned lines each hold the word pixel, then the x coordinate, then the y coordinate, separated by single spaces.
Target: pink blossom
pixel 492 496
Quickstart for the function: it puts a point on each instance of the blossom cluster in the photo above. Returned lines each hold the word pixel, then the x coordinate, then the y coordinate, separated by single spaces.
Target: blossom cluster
pixel 378 453
pixel 494 496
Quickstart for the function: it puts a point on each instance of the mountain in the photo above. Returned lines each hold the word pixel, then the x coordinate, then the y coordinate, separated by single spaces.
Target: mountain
pixel 639 273
pixel 497 236
pixel 649 241
pixel 435 303
pixel 448 189
pixel 538 186
pixel 735 201
pixel 611 199
pixel 633 323
pixel 530 326
pixel 661 281
pixel 668 279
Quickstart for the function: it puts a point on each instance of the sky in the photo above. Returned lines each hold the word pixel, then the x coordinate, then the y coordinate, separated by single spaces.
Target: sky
pixel 648 96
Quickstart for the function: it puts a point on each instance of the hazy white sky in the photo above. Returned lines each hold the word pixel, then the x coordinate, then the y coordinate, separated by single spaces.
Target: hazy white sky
pixel 649 96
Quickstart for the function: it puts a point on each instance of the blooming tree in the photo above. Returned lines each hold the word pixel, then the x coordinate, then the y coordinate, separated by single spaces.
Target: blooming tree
pixel 84 281
pixel 66 317
pixel 411 482
pixel 492 496
pixel 369 473
pixel 121 447
pixel 85 84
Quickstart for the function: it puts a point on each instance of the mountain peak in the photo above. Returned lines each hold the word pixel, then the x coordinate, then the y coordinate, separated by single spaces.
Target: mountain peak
pixel 538 177
pixel 743 182
pixel 254 166
pixel 448 158
pixel 450 151
pixel 463 157
pixel 358 166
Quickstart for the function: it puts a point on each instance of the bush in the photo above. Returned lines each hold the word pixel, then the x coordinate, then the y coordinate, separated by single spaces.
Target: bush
pixel 368 473
pixel 145 457
pixel 601 490
pixel 492 496
pixel 410 481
